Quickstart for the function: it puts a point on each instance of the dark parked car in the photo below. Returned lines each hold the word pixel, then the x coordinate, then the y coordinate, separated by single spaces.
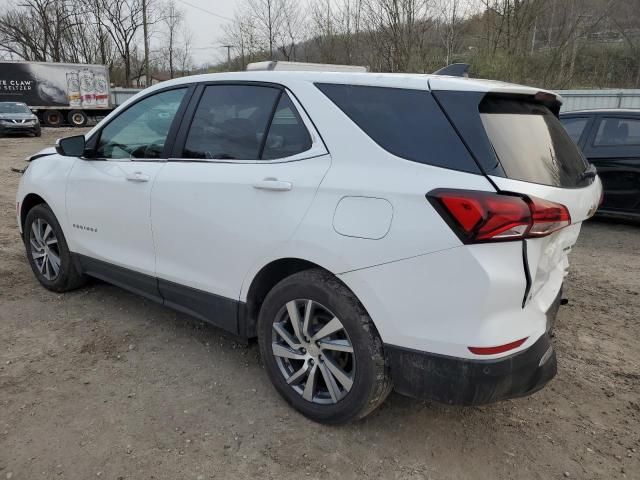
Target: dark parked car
pixel 15 117
pixel 610 139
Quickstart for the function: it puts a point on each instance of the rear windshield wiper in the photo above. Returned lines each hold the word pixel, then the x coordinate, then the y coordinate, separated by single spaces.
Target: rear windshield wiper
pixel 589 172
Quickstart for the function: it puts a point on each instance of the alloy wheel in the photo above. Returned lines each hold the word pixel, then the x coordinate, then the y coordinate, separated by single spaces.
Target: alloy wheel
pixel 44 249
pixel 313 351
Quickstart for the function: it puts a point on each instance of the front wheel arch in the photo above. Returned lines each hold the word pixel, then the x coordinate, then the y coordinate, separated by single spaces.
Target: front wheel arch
pixel 28 202
pixel 67 276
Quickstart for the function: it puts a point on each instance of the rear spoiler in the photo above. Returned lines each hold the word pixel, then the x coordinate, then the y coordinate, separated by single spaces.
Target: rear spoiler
pixel 454 70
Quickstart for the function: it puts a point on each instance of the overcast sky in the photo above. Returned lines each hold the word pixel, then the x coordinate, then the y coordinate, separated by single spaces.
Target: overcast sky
pixel 206 19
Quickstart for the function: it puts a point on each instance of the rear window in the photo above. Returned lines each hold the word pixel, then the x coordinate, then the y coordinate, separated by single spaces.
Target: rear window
pixel 574 126
pixel 531 143
pixel 406 123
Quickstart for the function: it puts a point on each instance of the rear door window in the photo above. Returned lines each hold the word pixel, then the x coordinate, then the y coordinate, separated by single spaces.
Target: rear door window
pixel 231 122
pixel 618 132
pixel 245 122
pixel 406 123
pixel 575 126
pixel 531 143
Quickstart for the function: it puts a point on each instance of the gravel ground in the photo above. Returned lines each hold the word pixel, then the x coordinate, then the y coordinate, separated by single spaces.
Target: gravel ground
pixel 101 383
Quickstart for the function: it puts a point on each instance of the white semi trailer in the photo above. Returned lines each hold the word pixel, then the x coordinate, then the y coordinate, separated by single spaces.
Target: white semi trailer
pixel 58 93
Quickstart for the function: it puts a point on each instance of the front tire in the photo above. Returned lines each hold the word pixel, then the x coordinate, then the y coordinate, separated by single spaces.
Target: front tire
pixel 48 253
pixel 321 349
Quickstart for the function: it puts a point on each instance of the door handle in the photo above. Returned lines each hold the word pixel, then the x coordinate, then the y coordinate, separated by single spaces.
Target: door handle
pixel 137 177
pixel 273 184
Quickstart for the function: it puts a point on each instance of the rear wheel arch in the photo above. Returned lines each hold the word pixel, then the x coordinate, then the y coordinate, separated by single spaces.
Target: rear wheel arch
pixel 365 385
pixel 267 278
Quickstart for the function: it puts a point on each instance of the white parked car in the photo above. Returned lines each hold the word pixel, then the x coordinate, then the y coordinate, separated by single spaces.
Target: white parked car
pixel 373 231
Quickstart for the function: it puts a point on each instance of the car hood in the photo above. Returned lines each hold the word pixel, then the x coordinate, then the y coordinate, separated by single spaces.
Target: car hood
pixel 17 116
pixel 42 153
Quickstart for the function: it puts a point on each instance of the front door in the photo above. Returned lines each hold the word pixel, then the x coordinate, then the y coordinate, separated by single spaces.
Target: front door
pixel 108 195
pixel 237 190
pixel 615 151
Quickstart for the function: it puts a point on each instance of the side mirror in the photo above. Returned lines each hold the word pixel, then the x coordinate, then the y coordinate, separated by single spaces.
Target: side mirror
pixel 71 146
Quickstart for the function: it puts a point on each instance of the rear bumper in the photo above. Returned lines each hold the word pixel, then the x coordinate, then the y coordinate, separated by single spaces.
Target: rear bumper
pixel 462 381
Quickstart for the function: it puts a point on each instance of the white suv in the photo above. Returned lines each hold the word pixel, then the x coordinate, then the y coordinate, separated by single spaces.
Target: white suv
pixel 373 231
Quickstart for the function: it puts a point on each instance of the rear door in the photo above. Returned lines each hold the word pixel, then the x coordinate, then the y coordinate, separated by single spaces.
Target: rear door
pixel 245 169
pixel 614 148
pixel 523 148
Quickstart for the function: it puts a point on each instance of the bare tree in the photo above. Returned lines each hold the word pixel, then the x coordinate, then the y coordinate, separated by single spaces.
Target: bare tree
pixel 21 35
pixel 349 20
pixel 451 20
pixel 290 32
pixel 173 20
pixel 325 31
pixel 54 30
pixel 183 52
pixel 36 28
pixel 270 19
pixel 397 30
pixel 243 35
pixel 122 19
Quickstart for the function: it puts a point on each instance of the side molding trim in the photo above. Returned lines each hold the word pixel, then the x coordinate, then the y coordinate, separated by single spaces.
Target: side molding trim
pixel 222 312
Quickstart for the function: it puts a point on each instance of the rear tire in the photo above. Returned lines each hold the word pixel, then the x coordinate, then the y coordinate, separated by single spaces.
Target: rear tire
pixel 346 385
pixel 52 118
pixel 48 253
pixel 77 118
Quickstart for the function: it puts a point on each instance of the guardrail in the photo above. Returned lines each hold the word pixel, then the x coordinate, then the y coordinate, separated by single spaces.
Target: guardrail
pixel 609 98
pixel 121 95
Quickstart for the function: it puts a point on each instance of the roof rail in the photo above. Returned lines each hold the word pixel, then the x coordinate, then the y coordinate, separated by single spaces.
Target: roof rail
pixel 454 70
pixel 302 67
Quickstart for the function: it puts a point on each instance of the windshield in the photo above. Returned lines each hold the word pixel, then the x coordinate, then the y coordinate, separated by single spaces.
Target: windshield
pixel 531 143
pixel 7 107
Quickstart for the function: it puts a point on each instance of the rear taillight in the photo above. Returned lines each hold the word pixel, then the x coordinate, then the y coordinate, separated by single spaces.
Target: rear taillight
pixel 547 217
pixel 477 216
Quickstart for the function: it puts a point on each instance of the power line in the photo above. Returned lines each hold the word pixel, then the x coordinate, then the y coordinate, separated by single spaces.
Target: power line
pixel 206 11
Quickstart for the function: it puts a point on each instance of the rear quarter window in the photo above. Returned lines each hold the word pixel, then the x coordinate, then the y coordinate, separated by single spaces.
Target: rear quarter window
pixel 406 123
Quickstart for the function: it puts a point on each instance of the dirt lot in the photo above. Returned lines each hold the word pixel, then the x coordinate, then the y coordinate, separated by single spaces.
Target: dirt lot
pixel 100 383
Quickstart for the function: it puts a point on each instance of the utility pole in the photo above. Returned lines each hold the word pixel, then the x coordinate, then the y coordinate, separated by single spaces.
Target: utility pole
pixel 228 47
pixel 101 35
pixel 145 32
